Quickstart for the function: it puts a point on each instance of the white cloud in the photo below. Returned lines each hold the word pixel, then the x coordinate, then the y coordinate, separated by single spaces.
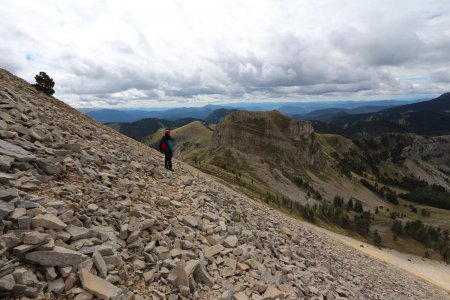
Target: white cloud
pixel 143 53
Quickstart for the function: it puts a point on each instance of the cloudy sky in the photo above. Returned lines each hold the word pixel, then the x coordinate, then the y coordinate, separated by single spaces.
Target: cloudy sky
pixel 183 53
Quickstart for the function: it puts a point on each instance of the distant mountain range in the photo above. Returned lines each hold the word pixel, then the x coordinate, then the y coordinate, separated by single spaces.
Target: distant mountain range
pixel 332 113
pixel 121 116
pixel 430 117
pixel 292 108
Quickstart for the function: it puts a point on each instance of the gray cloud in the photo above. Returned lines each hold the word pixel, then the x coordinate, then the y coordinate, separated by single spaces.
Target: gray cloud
pixel 442 76
pixel 143 54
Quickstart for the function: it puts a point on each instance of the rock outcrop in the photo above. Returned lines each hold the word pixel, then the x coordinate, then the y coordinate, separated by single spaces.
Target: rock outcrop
pixel 270 134
pixel 86 212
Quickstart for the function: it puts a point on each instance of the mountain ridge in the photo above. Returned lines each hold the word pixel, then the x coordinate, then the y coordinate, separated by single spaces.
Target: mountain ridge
pixel 427 117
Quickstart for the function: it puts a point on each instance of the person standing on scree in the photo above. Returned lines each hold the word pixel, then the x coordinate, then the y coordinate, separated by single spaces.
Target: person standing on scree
pixel 166 147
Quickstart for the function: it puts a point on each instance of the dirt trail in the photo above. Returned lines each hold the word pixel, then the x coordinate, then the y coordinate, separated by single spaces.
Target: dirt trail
pixel 435 272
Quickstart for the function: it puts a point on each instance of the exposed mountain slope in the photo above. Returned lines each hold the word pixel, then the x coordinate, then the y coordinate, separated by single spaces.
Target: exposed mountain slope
pixel 269 134
pixel 86 211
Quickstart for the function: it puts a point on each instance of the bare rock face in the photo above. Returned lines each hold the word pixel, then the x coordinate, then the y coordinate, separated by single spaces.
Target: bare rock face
pixel 87 213
pixel 269 134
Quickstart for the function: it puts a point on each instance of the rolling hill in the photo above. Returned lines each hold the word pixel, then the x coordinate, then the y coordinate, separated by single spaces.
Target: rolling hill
pixel 191 140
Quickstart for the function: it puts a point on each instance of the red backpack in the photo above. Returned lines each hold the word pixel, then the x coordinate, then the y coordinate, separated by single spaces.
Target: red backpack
pixel 163 145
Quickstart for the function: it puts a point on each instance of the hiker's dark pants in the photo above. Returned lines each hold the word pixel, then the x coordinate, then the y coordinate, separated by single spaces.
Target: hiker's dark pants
pixel 168 160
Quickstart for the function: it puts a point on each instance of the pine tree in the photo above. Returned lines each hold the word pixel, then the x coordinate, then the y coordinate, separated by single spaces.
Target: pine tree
pixel 397 227
pixel 350 204
pixel 44 83
pixel 358 206
pixel 376 238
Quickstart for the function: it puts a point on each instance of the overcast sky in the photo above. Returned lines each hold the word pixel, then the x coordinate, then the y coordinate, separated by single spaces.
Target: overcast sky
pixel 172 53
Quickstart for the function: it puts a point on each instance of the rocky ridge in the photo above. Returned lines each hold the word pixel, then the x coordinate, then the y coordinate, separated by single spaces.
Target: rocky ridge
pixel 270 134
pixel 86 212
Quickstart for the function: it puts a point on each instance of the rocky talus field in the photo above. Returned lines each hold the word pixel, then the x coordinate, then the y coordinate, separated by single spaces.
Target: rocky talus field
pixel 88 213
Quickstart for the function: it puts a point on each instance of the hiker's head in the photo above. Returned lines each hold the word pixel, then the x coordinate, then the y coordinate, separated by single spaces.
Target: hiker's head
pixel 168 132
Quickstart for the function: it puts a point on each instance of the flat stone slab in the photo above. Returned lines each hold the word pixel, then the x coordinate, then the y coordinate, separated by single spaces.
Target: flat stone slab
pixel 35 238
pixel 190 221
pixel 5 209
pixel 78 232
pixel 15 151
pixel 48 221
pixel 58 257
pixel 9 194
pixel 5 177
pixel 98 286
pixel 213 250
pixel 100 264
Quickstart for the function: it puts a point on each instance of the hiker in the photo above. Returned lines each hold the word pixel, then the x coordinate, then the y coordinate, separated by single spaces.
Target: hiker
pixel 166 147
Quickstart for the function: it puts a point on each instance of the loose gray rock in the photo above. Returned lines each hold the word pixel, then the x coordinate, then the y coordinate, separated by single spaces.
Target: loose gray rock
pixel 48 221
pixel 98 286
pixel 58 257
pixel 230 241
pixel 18 153
pixel 78 232
pixel 35 238
pixel 100 264
pixel 190 221
pixel 9 194
pixel 56 286
pixel 5 163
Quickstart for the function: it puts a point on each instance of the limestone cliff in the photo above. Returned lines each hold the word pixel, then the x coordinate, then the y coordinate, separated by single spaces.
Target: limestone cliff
pixel 270 134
